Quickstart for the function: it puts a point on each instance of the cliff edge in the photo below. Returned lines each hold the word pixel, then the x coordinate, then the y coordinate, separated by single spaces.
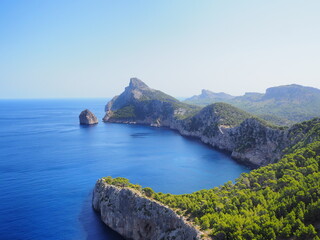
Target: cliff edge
pixel 137 217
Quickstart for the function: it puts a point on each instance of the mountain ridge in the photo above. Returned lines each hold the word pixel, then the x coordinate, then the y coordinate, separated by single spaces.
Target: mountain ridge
pixel 249 139
pixel 282 105
pixel 207 97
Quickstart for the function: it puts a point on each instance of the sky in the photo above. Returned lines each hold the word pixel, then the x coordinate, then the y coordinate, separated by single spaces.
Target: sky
pixel 88 49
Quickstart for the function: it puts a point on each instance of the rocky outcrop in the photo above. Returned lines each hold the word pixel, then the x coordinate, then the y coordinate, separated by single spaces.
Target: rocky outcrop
pixel 136 91
pixel 142 104
pixel 136 217
pixel 87 118
pixel 251 143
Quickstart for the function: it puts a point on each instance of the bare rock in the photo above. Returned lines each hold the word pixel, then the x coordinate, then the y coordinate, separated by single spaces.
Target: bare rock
pixel 136 217
pixel 87 118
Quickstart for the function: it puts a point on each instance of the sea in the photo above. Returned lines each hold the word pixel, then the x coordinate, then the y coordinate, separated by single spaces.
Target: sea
pixel 49 165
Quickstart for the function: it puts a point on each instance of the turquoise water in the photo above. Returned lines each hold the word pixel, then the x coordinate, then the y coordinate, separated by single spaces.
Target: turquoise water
pixel 49 165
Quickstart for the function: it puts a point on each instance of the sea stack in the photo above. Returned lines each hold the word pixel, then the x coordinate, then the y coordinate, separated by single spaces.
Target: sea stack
pixel 86 117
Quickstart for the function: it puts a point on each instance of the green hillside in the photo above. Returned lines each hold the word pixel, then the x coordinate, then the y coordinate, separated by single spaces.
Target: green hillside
pixel 283 105
pixel 140 102
pixel 279 201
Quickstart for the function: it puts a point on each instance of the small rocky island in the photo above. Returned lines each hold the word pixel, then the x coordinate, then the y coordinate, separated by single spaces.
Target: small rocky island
pixel 86 117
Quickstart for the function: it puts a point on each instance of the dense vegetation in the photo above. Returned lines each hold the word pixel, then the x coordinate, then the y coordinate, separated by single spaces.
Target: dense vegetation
pixel 210 117
pixel 228 114
pixel 149 107
pixel 208 120
pixel 158 95
pixel 272 118
pixel 127 112
pixel 280 112
pixel 278 201
pixel 124 182
pixel 307 132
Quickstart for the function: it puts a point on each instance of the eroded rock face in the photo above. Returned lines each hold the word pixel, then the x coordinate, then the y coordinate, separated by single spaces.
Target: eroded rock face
pixel 132 93
pixel 251 142
pixel 220 125
pixel 87 118
pixel 136 217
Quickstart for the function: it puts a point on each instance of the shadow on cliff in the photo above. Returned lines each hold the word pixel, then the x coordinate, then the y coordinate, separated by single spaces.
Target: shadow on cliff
pixel 93 226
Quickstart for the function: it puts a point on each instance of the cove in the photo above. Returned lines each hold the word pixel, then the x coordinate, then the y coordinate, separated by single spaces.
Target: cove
pixel 49 165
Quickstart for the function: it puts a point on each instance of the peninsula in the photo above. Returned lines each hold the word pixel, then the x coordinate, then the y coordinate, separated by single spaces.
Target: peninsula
pixel 279 200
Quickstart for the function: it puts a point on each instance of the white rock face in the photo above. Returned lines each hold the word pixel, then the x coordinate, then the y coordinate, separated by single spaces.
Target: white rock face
pixel 136 217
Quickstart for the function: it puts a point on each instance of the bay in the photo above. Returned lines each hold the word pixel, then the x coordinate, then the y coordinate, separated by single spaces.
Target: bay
pixel 49 165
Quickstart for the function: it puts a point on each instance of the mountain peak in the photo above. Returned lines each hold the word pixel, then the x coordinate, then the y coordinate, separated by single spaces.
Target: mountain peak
pixel 206 92
pixel 292 92
pixel 137 83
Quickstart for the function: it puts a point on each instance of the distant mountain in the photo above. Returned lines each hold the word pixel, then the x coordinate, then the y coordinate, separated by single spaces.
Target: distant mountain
pixel 281 105
pixel 137 91
pixel 294 103
pixel 142 104
pixel 207 97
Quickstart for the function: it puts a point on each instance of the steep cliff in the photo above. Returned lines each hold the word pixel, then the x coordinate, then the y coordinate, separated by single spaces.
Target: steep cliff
pixel 136 217
pixel 144 105
pixel 248 138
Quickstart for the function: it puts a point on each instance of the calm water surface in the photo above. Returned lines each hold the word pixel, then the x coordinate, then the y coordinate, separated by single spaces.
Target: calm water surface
pixel 49 165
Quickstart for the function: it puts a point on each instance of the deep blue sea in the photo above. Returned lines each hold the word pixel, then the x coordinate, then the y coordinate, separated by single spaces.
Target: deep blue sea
pixel 49 165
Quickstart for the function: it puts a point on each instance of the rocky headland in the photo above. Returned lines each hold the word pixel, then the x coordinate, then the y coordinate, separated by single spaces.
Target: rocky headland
pixel 137 217
pixel 247 138
pixel 86 117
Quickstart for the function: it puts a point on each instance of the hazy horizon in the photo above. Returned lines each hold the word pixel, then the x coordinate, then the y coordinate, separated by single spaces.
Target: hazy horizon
pixel 181 98
pixel 85 49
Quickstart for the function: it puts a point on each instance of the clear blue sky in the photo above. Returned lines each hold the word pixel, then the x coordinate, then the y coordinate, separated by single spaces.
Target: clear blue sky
pixel 64 48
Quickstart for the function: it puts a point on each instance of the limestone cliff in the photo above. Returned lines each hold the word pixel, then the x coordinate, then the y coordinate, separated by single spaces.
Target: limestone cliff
pixel 144 105
pixel 136 217
pixel 248 139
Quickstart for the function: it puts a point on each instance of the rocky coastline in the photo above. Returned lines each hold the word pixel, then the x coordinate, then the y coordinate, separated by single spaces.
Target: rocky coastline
pixel 246 138
pixel 137 217
pixel 266 144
